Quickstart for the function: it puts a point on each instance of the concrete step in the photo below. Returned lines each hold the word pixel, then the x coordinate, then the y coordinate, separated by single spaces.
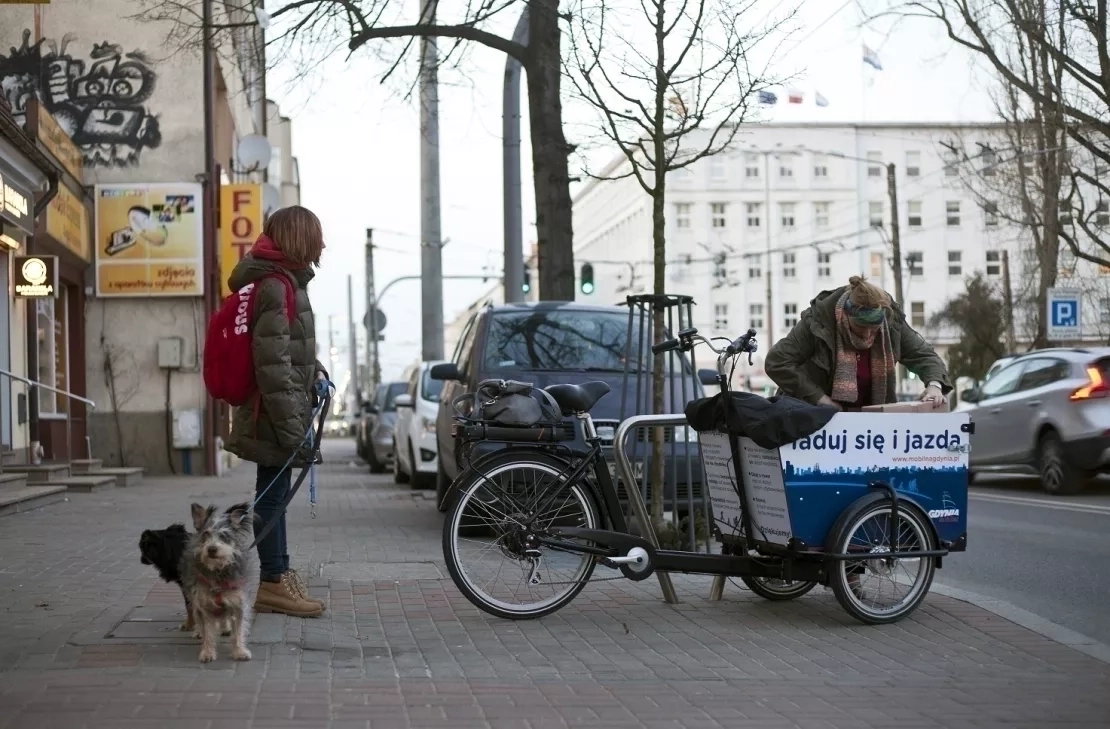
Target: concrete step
pixel 84 484
pixel 7 456
pixel 80 466
pixel 16 500
pixel 42 472
pixel 124 476
pixel 12 481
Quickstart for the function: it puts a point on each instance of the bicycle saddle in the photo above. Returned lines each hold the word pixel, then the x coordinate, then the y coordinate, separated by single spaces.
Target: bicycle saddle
pixel 578 398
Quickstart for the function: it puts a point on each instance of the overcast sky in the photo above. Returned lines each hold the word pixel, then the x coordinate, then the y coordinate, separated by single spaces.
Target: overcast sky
pixel 358 146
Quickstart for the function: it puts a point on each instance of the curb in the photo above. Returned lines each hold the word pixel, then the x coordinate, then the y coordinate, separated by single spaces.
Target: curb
pixel 1029 621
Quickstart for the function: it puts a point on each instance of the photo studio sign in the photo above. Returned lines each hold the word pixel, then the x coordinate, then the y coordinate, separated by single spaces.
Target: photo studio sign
pixel 36 277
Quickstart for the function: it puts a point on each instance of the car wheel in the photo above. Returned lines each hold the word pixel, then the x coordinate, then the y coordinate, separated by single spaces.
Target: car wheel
pixel 399 476
pixel 443 484
pixel 376 466
pixel 1058 476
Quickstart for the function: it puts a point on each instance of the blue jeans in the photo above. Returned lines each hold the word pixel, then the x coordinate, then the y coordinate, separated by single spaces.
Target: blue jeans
pixel 273 551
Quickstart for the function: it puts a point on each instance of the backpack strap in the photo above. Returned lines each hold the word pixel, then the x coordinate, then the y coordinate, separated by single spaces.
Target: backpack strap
pixel 290 293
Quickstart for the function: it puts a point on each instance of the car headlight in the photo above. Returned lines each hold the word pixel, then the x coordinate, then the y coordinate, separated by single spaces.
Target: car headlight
pixel 430 427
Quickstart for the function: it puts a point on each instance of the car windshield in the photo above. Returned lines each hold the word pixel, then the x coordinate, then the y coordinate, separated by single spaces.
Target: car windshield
pixel 558 339
pixel 430 389
pixel 395 389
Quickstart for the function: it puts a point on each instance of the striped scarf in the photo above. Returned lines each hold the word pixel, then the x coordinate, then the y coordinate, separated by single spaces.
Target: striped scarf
pixel 845 388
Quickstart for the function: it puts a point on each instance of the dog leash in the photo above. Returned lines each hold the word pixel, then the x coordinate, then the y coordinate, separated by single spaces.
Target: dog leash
pixel 315 433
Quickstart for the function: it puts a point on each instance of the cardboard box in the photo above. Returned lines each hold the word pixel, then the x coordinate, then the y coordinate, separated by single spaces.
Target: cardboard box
pixel 907 407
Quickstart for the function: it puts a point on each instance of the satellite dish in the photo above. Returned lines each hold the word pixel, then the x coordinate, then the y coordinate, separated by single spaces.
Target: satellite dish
pixel 271 199
pixel 253 152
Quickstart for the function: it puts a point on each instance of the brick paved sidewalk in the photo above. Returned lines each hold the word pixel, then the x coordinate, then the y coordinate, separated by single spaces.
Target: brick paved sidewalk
pixel 88 639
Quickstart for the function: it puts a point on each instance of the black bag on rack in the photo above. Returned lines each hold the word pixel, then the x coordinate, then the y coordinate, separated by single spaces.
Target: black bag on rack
pixel 770 422
pixel 509 403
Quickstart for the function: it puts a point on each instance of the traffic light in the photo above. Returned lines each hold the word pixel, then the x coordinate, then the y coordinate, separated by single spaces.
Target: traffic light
pixel 526 281
pixel 587 279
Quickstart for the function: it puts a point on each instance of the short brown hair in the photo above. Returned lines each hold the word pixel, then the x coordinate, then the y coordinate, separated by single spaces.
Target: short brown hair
pixel 297 232
pixel 866 295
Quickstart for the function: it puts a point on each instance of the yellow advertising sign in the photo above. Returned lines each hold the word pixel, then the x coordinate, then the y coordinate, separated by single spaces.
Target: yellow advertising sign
pixel 149 240
pixel 240 226
pixel 55 139
pixel 67 221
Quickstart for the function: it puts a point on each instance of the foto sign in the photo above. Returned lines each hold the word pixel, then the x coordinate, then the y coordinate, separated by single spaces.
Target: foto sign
pixel 240 226
pixel 36 277
pixel 1064 314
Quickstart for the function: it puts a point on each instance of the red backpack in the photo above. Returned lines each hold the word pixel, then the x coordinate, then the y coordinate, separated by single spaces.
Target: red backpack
pixel 228 346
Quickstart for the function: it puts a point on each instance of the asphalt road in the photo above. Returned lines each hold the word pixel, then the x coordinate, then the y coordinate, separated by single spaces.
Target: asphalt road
pixel 1048 555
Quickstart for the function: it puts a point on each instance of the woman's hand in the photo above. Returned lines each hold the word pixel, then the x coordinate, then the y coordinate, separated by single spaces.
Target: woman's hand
pixel 826 400
pixel 933 395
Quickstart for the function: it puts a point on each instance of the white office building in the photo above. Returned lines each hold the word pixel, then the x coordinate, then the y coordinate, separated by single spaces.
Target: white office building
pixel 798 208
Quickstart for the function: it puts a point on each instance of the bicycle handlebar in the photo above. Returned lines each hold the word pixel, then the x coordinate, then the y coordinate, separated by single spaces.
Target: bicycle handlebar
pixel 687 338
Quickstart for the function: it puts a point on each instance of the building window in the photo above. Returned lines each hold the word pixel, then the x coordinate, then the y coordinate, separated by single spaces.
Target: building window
pixel 787 212
pixel 789 265
pixel 824 265
pixel 821 214
pixel 786 168
pixel 917 313
pixel 875 214
pixel 820 166
pixel 720 317
pixel 951 159
pixel 1102 213
pixel 790 315
pixel 753 214
pixel 914 213
pixel 913 164
pixel 915 260
pixel 751 166
pixel 717 211
pixel 955 263
pixel 989 159
pixel 874 164
pixel 876 264
pixel 717 167
pixel 755 268
pixel 1065 213
pixel 994 263
pixel 1067 262
pixel 682 215
pixel 755 316
pixel 952 213
pixel 990 213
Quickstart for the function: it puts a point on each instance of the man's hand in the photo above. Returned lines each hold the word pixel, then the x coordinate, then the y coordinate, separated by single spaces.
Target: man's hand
pixel 934 396
pixel 826 400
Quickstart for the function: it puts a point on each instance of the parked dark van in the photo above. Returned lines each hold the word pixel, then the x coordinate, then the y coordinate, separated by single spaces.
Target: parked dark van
pixel 548 343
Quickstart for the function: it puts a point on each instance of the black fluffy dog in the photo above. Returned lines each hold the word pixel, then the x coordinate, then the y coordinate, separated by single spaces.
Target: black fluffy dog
pixel 163 548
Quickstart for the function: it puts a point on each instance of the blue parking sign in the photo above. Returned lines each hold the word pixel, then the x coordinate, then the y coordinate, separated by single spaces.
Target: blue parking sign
pixel 1064 309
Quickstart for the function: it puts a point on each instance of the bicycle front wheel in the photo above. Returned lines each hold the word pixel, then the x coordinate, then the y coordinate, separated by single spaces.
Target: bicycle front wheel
pixel 489 537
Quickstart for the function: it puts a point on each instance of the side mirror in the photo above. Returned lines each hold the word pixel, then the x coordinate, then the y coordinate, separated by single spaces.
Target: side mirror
pixel 445 371
pixel 971 395
pixel 403 401
pixel 707 377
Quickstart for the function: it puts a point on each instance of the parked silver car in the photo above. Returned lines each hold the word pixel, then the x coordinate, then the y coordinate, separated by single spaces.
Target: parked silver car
pixel 1045 412
pixel 375 433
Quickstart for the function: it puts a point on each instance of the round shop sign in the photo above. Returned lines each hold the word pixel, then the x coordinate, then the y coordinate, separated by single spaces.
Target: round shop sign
pixel 34 271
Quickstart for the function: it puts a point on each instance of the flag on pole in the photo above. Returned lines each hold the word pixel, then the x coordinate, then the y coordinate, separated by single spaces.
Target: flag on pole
pixel 794 97
pixel 766 97
pixel 821 100
pixel 871 58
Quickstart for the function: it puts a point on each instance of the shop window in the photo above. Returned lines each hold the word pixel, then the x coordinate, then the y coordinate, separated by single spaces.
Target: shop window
pixel 53 353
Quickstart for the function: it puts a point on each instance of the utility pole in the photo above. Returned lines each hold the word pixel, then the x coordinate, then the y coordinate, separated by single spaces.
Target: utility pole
pixel 770 265
pixel 510 140
pixel 351 334
pixel 1008 302
pixel 372 368
pixel 431 238
pixel 331 344
pixel 895 239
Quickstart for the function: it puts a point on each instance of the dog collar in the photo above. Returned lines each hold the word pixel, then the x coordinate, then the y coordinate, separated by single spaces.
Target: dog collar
pixel 218 589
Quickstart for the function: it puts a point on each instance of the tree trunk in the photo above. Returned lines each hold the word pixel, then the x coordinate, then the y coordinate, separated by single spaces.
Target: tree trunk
pixel 554 229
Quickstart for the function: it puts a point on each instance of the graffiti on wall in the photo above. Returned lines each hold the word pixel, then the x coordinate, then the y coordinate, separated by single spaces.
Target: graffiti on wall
pixel 99 102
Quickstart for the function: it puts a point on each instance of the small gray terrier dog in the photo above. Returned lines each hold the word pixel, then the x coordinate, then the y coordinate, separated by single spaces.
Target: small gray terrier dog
pixel 220 575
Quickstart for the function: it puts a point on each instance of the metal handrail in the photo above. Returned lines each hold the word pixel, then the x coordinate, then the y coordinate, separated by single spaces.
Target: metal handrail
pixel 624 466
pixel 35 383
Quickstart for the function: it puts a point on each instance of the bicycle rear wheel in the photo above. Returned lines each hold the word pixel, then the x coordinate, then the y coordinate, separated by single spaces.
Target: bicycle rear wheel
pixel 502 569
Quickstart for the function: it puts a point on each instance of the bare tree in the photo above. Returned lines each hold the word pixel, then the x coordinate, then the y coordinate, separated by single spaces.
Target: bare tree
pixel 318 29
pixel 671 82
pixel 1052 55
